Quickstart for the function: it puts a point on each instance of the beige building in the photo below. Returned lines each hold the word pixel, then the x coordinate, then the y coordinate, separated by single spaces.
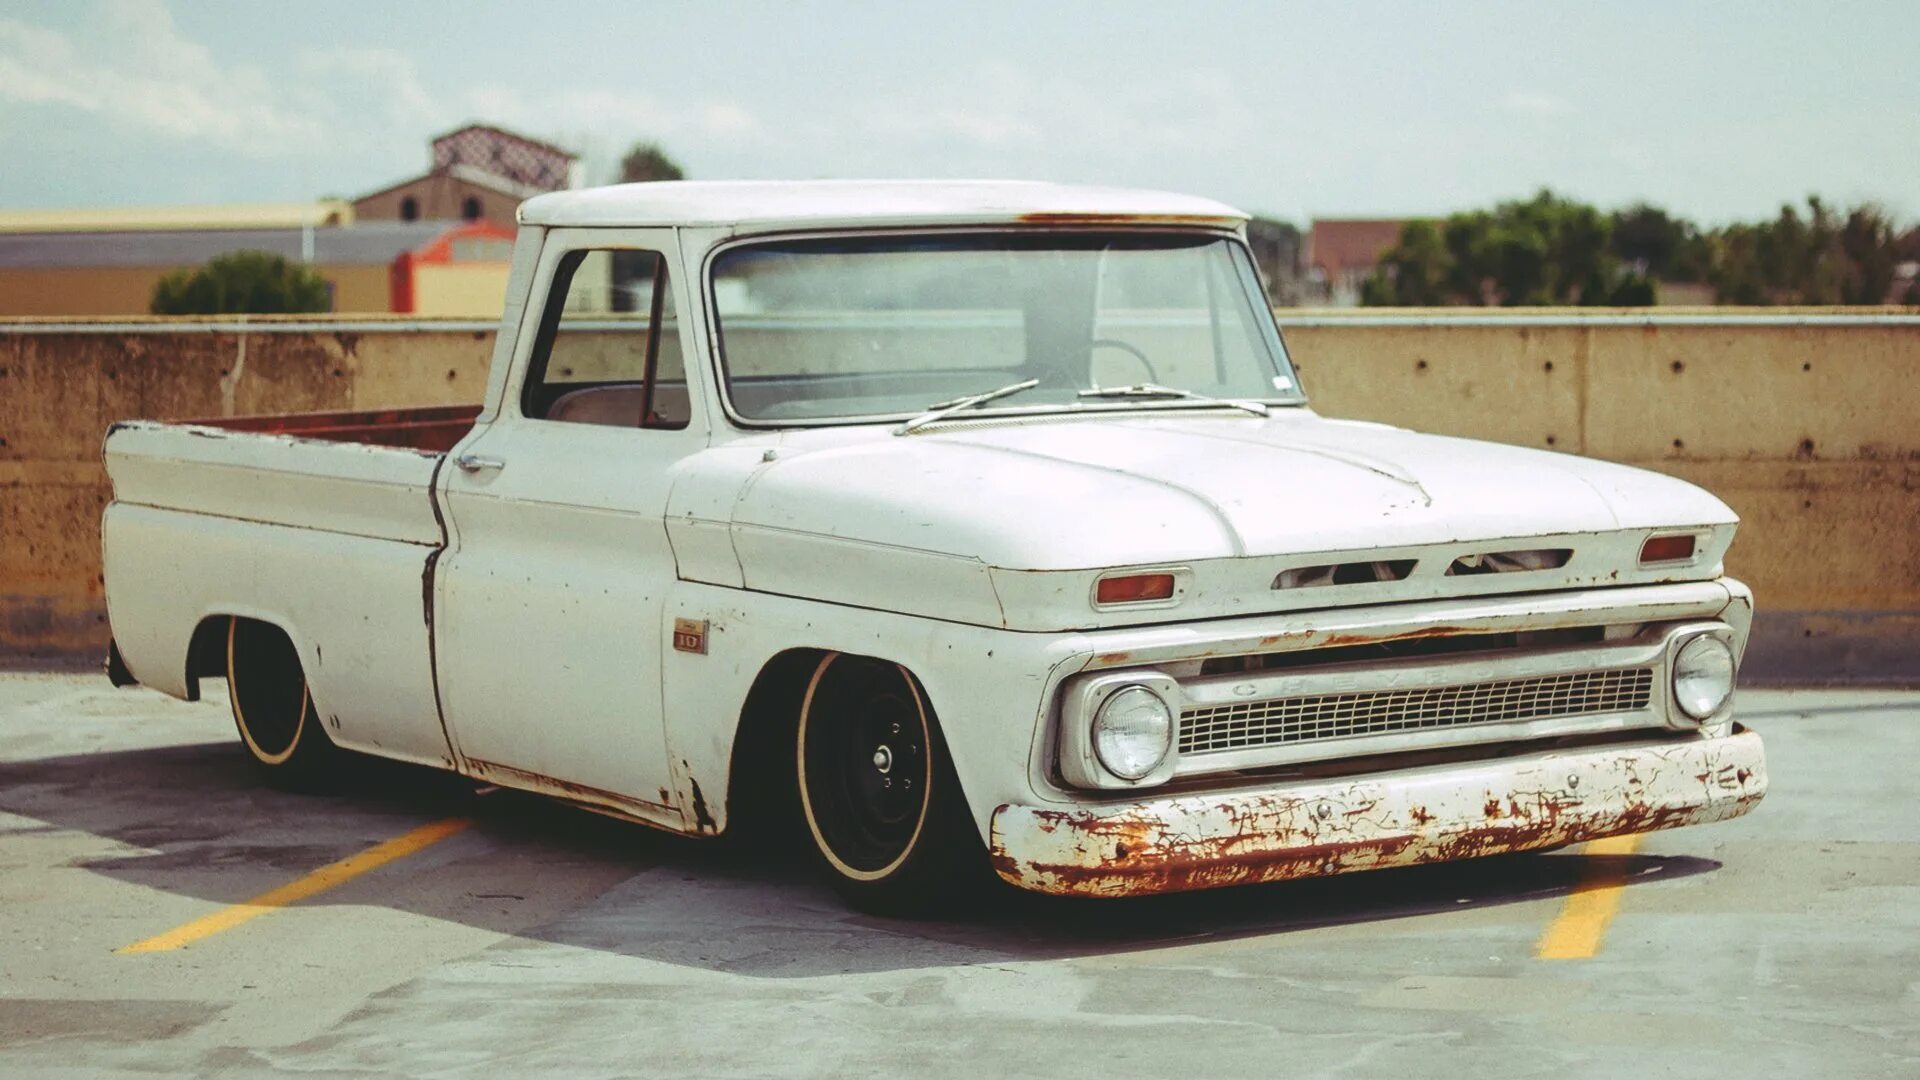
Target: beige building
pixel 437 244
pixel 106 261
pixel 105 272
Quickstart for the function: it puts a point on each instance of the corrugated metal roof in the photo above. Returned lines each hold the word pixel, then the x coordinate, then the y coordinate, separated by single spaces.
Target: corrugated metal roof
pixel 370 243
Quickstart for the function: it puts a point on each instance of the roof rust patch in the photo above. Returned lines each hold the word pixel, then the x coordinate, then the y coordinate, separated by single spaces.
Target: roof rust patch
pixel 1054 217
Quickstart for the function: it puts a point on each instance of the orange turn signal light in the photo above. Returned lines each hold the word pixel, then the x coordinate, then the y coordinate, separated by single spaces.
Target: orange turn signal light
pixel 1667 549
pixel 1133 589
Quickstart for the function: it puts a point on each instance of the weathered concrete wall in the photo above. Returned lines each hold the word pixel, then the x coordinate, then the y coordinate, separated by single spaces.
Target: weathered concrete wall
pixel 62 384
pixel 1807 422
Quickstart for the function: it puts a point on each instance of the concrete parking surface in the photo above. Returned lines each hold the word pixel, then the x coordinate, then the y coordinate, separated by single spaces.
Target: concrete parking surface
pixel 454 934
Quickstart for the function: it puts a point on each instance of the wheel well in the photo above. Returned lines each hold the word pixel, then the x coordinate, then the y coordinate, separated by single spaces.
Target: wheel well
pixel 207 652
pixel 762 797
pixel 760 781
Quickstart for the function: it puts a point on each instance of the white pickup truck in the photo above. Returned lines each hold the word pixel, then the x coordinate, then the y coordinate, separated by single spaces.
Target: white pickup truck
pixel 959 525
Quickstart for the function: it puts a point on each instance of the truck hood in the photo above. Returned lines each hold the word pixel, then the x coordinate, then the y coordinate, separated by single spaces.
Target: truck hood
pixel 1011 523
pixel 1092 493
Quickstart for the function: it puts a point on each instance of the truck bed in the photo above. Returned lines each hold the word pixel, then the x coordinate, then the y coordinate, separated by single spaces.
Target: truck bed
pixel 323 523
pixel 361 473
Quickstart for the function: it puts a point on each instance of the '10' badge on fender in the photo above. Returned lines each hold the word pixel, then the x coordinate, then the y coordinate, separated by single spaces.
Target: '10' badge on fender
pixel 690 635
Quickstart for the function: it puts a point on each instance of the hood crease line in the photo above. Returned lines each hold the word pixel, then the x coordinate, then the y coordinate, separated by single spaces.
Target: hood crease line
pixel 1219 512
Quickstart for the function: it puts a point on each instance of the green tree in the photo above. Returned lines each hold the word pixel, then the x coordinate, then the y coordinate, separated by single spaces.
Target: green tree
pixel 1550 250
pixel 1737 275
pixel 242 282
pixel 1543 250
pixel 1413 273
pixel 648 162
pixel 1821 257
pixel 1659 245
pixel 1869 256
pixel 1630 289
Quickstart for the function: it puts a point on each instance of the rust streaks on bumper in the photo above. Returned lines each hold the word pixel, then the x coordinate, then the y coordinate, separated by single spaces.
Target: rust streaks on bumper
pixel 1318 828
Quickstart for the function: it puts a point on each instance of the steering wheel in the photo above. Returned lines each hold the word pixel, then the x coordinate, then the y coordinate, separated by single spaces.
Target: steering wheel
pixel 1132 350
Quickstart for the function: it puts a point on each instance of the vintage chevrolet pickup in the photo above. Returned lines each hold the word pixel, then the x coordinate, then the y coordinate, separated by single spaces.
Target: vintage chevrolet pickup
pixel 959 526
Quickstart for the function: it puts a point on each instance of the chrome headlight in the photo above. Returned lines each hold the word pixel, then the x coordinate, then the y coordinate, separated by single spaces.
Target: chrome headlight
pixel 1702 676
pixel 1132 732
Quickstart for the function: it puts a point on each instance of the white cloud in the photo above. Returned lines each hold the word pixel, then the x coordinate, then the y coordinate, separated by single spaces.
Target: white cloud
pixel 381 86
pixel 602 114
pixel 349 116
pixel 995 119
pixel 1000 104
pixel 136 69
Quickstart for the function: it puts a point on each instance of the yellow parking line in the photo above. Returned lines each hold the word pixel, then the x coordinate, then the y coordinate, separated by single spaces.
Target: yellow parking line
pixel 299 889
pixel 1583 920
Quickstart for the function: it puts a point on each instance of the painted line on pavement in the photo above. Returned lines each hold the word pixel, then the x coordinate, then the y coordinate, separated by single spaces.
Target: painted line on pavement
pixel 299 889
pixel 1582 924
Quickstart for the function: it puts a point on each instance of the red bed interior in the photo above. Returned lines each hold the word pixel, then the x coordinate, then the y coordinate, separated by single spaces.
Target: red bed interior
pixel 435 427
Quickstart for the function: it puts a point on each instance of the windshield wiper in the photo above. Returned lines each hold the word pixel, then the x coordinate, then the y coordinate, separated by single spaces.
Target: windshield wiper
pixel 1155 390
pixel 948 408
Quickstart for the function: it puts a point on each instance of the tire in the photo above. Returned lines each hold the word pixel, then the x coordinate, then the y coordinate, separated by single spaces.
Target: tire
pixel 274 711
pixel 878 793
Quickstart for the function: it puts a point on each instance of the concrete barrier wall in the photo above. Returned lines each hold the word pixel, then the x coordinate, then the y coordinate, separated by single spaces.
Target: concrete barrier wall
pixel 62 384
pixel 1806 421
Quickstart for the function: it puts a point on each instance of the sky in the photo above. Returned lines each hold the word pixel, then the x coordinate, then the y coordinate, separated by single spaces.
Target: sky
pixel 1719 111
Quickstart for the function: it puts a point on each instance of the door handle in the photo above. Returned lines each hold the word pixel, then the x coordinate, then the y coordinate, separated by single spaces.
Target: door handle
pixel 474 463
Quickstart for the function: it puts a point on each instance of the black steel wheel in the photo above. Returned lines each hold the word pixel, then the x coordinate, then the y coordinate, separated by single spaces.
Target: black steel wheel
pixel 876 790
pixel 273 708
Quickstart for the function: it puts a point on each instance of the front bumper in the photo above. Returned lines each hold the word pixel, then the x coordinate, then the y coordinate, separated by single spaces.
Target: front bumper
pixel 1402 818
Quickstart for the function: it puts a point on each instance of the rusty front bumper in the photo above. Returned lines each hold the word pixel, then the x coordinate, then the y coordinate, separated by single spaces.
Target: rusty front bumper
pixel 1404 818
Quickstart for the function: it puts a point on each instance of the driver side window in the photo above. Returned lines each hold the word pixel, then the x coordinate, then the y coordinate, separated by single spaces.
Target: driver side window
pixel 608 351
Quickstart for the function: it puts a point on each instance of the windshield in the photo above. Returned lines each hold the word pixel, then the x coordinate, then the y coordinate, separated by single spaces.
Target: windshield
pixel 888 326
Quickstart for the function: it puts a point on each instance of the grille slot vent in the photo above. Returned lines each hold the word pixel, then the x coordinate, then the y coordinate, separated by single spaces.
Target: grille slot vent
pixel 1353 573
pixel 1321 717
pixel 1507 562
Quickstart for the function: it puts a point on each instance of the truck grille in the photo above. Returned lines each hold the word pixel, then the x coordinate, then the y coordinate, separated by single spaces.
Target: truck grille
pixel 1280 721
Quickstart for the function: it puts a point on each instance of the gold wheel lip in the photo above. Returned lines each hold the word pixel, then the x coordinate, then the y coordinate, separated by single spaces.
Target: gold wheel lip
pixel 806 803
pixel 240 717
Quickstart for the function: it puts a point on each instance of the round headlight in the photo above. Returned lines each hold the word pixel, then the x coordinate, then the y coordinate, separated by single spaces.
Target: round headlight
pixel 1702 676
pixel 1132 732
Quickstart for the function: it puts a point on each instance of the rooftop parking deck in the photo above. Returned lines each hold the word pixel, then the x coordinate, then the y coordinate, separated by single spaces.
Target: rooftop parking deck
pixel 411 927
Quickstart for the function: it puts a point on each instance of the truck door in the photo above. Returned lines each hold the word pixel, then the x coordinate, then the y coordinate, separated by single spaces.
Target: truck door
pixel 548 604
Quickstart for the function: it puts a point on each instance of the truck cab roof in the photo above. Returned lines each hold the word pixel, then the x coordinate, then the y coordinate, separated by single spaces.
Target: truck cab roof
pixel 813 204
